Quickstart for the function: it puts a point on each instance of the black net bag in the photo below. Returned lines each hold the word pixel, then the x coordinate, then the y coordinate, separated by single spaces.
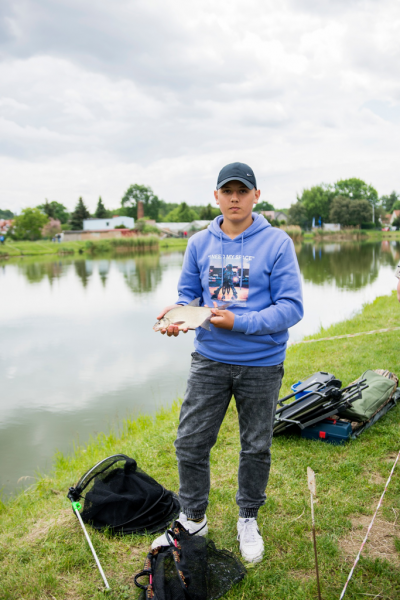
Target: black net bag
pixel 190 568
pixel 122 498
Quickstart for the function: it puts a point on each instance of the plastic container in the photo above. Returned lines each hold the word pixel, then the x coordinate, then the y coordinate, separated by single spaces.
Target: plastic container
pixel 328 430
pixel 300 394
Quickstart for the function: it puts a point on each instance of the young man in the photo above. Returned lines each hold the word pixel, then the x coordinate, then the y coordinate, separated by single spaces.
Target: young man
pixel 240 257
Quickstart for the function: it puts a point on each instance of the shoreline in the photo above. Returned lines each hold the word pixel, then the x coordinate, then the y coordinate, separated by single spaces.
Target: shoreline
pixel 43 553
pixel 89 248
pixel 151 243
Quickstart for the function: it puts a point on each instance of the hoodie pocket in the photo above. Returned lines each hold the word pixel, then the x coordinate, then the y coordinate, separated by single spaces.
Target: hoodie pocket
pixel 277 339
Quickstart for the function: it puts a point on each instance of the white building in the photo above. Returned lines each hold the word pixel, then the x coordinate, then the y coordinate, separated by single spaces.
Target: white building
pixel 331 226
pixel 104 224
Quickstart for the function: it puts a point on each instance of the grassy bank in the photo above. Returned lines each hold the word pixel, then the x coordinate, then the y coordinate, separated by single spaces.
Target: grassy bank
pixel 351 235
pixel 142 244
pixel 43 554
pixel 43 247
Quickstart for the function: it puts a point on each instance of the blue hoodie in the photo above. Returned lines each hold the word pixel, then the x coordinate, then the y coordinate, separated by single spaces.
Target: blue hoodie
pixel 258 271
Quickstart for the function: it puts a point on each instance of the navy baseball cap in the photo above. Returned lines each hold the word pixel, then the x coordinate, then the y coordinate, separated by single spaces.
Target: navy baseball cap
pixel 239 172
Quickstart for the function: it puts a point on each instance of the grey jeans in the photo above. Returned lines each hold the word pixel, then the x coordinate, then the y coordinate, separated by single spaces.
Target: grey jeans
pixel 209 390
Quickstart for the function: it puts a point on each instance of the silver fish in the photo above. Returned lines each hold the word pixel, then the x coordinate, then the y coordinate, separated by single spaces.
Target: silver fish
pixel 190 316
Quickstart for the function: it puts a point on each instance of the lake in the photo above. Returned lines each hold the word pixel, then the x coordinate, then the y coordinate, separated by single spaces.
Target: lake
pixel 78 353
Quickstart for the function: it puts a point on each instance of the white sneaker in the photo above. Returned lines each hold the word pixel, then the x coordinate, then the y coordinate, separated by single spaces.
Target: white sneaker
pixel 251 542
pixel 190 526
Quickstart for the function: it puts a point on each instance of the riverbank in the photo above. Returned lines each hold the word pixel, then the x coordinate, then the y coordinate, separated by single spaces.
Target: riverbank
pixel 350 235
pixel 148 243
pixel 43 247
pixel 44 555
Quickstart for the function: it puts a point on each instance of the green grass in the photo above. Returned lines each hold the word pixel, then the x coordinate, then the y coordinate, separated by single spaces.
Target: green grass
pixel 43 553
pixel 43 247
pixel 369 234
pixel 39 248
pixel 173 243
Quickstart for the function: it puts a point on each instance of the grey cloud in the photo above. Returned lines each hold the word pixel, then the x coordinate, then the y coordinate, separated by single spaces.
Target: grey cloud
pixel 161 94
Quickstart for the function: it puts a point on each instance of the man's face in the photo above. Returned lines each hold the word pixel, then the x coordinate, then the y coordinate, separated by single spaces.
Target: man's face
pixel 236 201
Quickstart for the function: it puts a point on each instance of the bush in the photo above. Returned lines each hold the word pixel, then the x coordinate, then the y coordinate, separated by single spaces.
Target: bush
pixel 28 225
pixel 368 225
pixel 142 226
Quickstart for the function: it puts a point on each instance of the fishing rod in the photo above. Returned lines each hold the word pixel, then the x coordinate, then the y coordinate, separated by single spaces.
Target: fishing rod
pixel 76 506
pixel 368 530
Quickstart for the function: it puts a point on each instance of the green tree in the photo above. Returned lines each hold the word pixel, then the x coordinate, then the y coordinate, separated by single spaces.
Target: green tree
pixel 264 205
pixel 101 211
pixel 209 212
pixel 141 193
pixel 388 202
pixel 348 212
pixel 297 214
pixel 182 214
pixel 28 225
pixel 6 214
pixel 317 202
pixel 396 223
pixel 165 208
pixel 55 210
pixel 356 189
pixel 80 213
pixel 360 212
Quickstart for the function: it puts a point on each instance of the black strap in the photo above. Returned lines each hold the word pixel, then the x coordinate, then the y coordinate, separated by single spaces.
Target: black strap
pixel 141 574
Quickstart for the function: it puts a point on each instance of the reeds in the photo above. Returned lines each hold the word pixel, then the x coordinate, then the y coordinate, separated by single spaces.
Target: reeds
pixel 294 231
pixel 132 244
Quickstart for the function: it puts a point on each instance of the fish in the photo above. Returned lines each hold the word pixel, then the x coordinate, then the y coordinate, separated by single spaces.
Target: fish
pixel 190 316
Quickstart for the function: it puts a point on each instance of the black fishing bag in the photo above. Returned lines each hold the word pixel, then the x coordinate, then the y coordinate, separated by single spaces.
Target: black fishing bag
pixel 122 498
pixel 190 568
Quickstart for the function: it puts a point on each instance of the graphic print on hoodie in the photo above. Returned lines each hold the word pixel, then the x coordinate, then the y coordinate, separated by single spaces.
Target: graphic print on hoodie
pixel 228 277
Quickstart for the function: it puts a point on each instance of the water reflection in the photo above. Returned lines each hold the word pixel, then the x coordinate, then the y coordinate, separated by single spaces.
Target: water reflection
pixel 104 268
pixel 143 273
pixel 84 269
pixel 78 349
pixel 351 266
pixel 35 272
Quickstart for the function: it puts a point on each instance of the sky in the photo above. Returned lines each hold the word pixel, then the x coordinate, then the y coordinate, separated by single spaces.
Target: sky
pixel 96 95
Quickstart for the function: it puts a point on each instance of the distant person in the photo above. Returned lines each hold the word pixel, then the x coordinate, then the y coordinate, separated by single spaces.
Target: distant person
pixel 185 234
pixel 398 284
pixel 242 355
pixel 2 239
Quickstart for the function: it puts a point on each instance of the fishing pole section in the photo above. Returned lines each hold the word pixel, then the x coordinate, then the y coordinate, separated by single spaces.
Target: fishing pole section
pixel 76 506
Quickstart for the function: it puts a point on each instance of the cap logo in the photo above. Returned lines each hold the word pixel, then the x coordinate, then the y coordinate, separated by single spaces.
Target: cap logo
pixel 248 174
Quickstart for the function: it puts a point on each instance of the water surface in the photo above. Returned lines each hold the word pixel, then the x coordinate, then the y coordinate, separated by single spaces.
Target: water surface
pixel 78 353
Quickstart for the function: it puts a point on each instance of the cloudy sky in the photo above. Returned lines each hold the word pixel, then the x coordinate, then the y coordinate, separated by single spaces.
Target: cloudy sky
pixel 98 94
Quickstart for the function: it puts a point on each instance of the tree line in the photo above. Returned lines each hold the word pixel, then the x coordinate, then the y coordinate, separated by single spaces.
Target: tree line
pixel 350 202
pixel 50 218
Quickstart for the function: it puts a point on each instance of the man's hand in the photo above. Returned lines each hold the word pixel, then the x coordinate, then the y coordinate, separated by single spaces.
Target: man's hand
pixel 223 319
pixel 172 329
